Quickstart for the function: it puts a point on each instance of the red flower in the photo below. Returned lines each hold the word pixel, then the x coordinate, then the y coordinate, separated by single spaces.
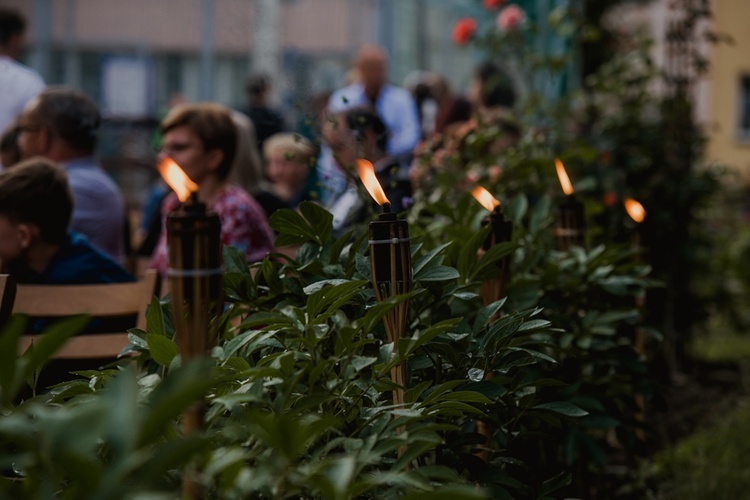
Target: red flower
pixel 493 4
pixel 464 30
pixel 510 18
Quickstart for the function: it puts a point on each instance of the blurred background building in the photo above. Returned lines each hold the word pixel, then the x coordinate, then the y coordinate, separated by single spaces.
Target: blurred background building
pixel 134 56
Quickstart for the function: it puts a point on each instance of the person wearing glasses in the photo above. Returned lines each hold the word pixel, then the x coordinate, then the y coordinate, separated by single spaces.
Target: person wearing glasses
pixel 202 139
pixel 62 125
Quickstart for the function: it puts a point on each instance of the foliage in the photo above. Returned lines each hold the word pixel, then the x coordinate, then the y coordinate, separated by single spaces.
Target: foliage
pixel 521 397
pixel 298 388
pixel 711 463
pixel 626 131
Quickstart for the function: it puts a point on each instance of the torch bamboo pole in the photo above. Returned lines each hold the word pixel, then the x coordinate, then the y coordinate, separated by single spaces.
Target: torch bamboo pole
pixel 640 339
pixel 398 372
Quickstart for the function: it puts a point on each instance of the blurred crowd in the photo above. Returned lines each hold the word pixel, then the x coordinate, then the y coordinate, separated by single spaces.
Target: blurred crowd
pixel 70 223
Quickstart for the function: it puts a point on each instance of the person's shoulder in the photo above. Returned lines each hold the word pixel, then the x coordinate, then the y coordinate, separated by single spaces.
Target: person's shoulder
pixel 92 265
pixel 21 70
pixel 78 262
pixel 83 172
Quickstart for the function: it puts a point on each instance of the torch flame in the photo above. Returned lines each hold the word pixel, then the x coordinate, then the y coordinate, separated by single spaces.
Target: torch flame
pixel 635 210
pixel 567 187
pixel 485 198
pixel 367 175
pixel 177 179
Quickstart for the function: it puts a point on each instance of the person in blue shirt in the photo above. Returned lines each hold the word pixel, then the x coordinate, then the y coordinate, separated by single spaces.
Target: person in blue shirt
pixel 35 244
pixel 62 124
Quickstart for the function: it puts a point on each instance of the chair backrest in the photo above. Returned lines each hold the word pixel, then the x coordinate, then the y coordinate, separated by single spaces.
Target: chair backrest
pixel 99 301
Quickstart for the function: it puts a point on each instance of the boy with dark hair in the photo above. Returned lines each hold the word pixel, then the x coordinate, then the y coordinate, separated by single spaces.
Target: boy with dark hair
pixel 35 245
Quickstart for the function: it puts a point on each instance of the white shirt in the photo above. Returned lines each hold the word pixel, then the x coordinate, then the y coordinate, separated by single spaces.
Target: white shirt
pixel 397 109
pixel 18 85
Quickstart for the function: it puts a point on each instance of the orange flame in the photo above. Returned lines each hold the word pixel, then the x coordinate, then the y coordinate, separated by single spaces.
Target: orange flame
pixel 485 198
pixel 567 187
pixel 367 175
pixel 635 210
pixel 177 179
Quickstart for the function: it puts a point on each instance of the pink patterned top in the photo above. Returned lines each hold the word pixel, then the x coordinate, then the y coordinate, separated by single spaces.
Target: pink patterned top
pixel 243 225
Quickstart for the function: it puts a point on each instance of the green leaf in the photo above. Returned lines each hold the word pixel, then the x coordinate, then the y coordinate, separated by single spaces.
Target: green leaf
pixel 155 318
pixel 339 245
pixel 534 324
pixel 361 362
pixel 235 260
pixel 419 339
pixel 486 314
pixel 51 340
pixel 331 298
pixel 432 257
pixel 437 273
pixel 563 408
pixel 518 208
pixel 184 385
pixel 162 349
pixel 487 267
pixel 9 338
pixel 319 285
pixel 271 276
pixel 320 220
pixel 467 257
pixel 540 214
pixel 554 483
pixel 292 228
pixel 465 397
pixel 375 313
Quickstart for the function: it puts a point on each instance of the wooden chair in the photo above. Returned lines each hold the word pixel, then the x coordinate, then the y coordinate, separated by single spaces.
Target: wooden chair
pixel 100 301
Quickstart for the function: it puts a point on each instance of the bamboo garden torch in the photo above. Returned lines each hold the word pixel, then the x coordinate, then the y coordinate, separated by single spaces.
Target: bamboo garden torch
pixel 571 225
pixel 390 266
pixel 636 212
pixel 493 288
pixel 501 231
pixel 193 235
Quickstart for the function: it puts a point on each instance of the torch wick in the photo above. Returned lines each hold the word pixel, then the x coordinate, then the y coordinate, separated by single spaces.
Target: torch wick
pixel 194 197
pixel 386 208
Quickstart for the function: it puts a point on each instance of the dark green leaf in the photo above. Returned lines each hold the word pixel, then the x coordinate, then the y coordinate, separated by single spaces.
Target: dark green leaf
pixel 437 273
pixel 562 407
pixel 155 318
pixel 162 349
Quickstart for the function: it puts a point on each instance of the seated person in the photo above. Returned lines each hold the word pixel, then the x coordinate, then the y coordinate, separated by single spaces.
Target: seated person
pixel 202 139
pixel 288 158
pixel 35 244
pixel 360 133
pixel 247 168
pixel 62 124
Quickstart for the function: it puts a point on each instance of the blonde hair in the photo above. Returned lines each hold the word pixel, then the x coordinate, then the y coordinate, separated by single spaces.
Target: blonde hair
pixel 300 149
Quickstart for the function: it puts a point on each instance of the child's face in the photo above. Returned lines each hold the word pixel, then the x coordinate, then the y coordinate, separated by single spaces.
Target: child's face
pixel 13 239
pixel 284 168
